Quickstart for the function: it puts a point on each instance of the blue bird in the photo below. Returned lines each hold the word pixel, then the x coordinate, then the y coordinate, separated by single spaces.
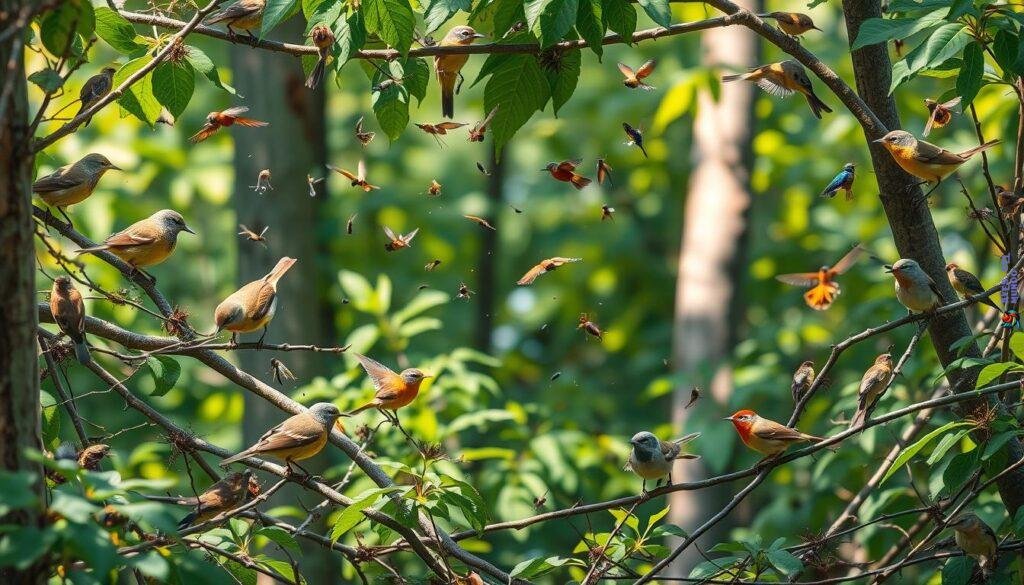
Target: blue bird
pixel 844 181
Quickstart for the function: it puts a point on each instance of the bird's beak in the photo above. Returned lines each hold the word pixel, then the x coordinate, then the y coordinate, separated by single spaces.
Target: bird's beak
pixel 542 170
pixel 115 168
pixel 425 376
pixel 879 140
pixel 189 230
pixel 727 418
pixel 479 36
pixel 888 268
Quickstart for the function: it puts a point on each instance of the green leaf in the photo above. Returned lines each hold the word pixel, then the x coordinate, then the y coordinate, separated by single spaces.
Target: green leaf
pixel 116 31
pixel 73 507
pixel 658 10
pixel 880 30
pixel 550 19
pixel 165 372
pixel 942 44
pixel 281 538
pixel 908 453
pixel 995 443
pixel 138 99
pixel 51 421
pixel 353 514
pixel 506 14
pixel 47 79
pixel 357 287
pixel 945 444
pixel 960 468
pixel 424 301
pixel 414 327
pixel 275 12
pixel 391 20
pixel 590 26
pixel 391 107
pixel 324 12
pixel 439 11
pixel 957 571
pixel 17 491
pixel 1005 48
pixel 517 88
pixel 993 371
pixel 619 16
pixel 416 78
pixel 1017 345
pixel 20 548
pixel 59 28
pixel 782 560
pixel 203 64
pixel 537 567
pixel 173 84
pixel 350 35
pixel 563 80
pixel 969 81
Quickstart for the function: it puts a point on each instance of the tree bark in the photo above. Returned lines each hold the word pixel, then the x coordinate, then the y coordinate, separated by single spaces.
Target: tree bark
pixel 19 374
pixel 711 255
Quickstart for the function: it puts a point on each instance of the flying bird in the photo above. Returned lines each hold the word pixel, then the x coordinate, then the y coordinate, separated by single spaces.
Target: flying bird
pixel 545 266
pixel 823 286
pixel 223 119
pixel 358 179
pixel 634 79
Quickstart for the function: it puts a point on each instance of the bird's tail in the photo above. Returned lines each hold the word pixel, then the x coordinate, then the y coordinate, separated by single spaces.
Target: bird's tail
pixel 282 266
pixel 643 150
pixel 817 106
pixel 234 458
pixel 366 406
pixel 99 248
pixel 579 181
pixel 973 151
pixel 686 438
pixel 317 74
pixel 187 521
pixel 82 352
pixel 735 77
pixel 447 81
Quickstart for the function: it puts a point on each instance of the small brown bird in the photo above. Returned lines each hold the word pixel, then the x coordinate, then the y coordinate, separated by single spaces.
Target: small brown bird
pixel 398 241
pixel 803 377
pixel 434 190
pixel 246 15
pixel 262 182
pixel 252 306
pixel 253 236
pixel 873 385
pixel 323 40
pixel 363 136
pixel 350 223
pixel 228 493
pixel 607 212
pixel 280 371
pixel 764 435
pixel 967 284
pixel 565 171
pixel 476 133
pixel 636 137
pixel 823 285
pixel 68 312
pixel 589 326
pixel 439 129
pixel 229 117
pixel 94 89
pixel 793 24
pixel 480 221
pixel 72 183
pixel 393 391
pixel 783 79
pixel 464 292
pixel 449 66
pixel 633 79
pixel 543 267
pixel 604 171
pixel 925 160
pixel 358 179
pixel 298 437
pixel 88 459
pixel 147 242
pixel 939 114
pixel 977 540
pixel 1010 203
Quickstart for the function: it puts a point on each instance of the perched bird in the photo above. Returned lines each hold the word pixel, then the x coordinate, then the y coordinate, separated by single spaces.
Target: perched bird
pixel 252 306
pixel 634 79
pixel 146 242
pixel 781 80
pixel 652 458
pixel 393 391
pixel 925 160
pixel 915 290
pixel 636 137
pixel 246 15
pixel 88 459
pixel 939 114
pixel 967 285
pixel 72 183
pixel 873 385
pixel 792 23
pixel 976 539
pixel 358 179
pixel 68 312
pixel 298 437
pixel 823 286
pixel 766 436
pixel 543 267
pixel 323 40
pixel 228 493
pixel 476 133
pixel 229 117
pixel 844 181
pixel 803 377
pixel 604 171
pixel 363 136
pixel 94 89
pixel 448 66
pixel 565 171
pixel 398 241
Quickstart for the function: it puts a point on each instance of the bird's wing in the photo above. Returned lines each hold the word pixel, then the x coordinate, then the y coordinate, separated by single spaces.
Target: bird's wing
pixel 281 437
pixel 343 172
pixel 235 111
pixel 952 103
pixel 929 153
pixel 205 132
pixel 390 234
pixel 532 274
pixel 381 376
pixel 361 170
pixel 450 125
pixel 970 282
pixel 409 236
pixel 799 278
pixel 569 165
pixel 773 88
pixel 129 237
pixel 779 432
pixel 264 300
pixel 626 71
pixel 55 181
pixel 250 122
pixel 669 449
pixel 821 296
pixel 847 261
pixel 646 69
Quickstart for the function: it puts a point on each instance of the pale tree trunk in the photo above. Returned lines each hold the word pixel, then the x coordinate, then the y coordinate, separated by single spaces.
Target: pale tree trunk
pixel 710 261
pixel 292 147
pixel 19 375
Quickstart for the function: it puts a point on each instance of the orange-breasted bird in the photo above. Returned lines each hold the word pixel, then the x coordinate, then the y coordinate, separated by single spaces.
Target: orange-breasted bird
pixel 792 23
pixel 823 286
pixel 803 377
pixel 925 160
pixel 94 89
pixel 252 306
pixel 873 385
pixel 228 493
pixel 298 437
pixel 448 66
pixel 766 436
pixel 323 40
pixel 565 171
pixel 146 242
pixel 634 79
pixel 72 183
pixel 229 117
pixel 781 80
pixel 68 312
pixel 246 15
pixel 939 114
pixel 967 284
pixel 393 390
pixel 476 133
pixel 357 179
pixel 398 241
pixel 652 458
pixel 543 267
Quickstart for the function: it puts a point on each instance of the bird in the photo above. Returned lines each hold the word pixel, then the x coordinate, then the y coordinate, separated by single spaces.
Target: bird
pixel 252 306
pixel 480 221
pixel 448 66
pixel 146 242
pixel 939 114
pixel 88 459
pixel 323 40
pixel 399 241
pixel 565 171
pixel 543 267
pixel 357 179
pixel 225 495
pixel 873 385
pixel 364 137
pixel 915 290
pixel 636 137
pixel 604 171
pixel 923 159
pixel 803 377
pixel 823 286
pixel 967 284
pixel 766 436
pixel 652 458
pixel 477 132
pixel 229 117
pixel 634 79
pixel 782 79
pixel 440 129
pixel 246 15
pixel 68 312
pixel 392 390
pixel 280 371
pixel 792 23
pixel 73 183
pixel 844 181
pixel 976 539
pixel 298 437
pixel 94 89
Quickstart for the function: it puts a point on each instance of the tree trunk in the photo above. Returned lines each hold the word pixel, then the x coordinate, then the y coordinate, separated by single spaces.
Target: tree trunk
pixel 19 375
pixel 292 147
pixel 710 261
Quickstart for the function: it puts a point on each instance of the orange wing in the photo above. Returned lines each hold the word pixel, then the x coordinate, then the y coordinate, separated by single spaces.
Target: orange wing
pixel 646 69
pixel 847 261
pixel 234 112
pixel 444 127
pixel 205 132
pixel 821 296
pixel 569 165
pixel 383 377
pixel 250 122
pixel 626 71
pixel 124 239
pixel 346 174
pixel 532 274
pixel 800 278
